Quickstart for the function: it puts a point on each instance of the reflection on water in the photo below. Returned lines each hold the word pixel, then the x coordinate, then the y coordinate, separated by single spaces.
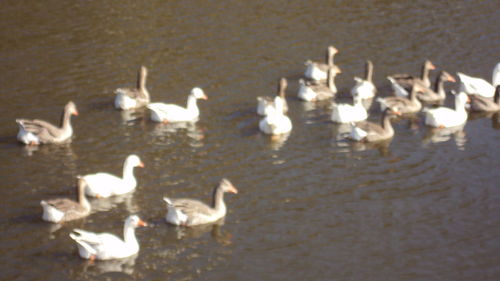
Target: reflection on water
pixel 437 135
pixel 106 204
pixel 276 142
pixel 215 230
pixel 125 265
pixel 162 132
pixel 344 145
pixel 130 117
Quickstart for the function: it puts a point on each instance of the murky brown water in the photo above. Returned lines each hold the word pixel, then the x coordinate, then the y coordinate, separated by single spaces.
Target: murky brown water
pixel 311 208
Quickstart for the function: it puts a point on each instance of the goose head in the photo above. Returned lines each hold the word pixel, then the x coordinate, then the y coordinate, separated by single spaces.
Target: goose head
pixel 429 65
pixel 134 161
pixel 445 76
pixel 198 93
pixel 227 186
pixel 461 98
pixel 71 108
pixel 135 221
pixel 332 50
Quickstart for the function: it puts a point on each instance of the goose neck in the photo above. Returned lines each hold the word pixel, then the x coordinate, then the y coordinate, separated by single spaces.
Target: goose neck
pixel 218 200
pixel 81 198
pixel 128 172
pixel 369 71
pixel 424 75
pixel 281 90
pixel 191 104
pixel 65 119
pixel 129 235
pixel 386 122
pixel 439 87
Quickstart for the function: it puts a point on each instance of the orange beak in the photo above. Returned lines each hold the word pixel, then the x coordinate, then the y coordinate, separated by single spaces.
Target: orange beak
pixel 142 223
pixel 432 67
pixel 141 165
pixel 452 79
pixel 233 190
pixel 75 113
pixel 204 97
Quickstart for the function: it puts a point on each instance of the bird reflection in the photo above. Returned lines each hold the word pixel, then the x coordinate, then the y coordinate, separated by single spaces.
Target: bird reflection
pixel 215 229
pixel 194 133
pixel 63 150
pixel 125 265
pixel 106 204
pixel 277 141
pixel 437 135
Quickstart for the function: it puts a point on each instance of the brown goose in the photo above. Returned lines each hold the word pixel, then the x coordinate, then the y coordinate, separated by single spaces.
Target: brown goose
pixel 437 95
pixel 190 212
pixel 407 80
pixel 371 132
pixel 35 132
pixel 61 210
pixel 481 104
pixel 130 98
pixel 316 91
pixel 318 71
pixel 265 103
pixel 403 105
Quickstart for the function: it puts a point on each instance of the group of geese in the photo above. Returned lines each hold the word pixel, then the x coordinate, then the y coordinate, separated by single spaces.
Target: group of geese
pixel 180 211
pixel 317 85
pixel 410 94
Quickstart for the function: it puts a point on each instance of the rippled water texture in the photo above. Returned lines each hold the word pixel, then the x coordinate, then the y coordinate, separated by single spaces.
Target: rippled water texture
pixel 422 207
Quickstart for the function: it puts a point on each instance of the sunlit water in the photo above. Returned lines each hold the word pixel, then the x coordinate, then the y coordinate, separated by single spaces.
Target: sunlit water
pixel 423 206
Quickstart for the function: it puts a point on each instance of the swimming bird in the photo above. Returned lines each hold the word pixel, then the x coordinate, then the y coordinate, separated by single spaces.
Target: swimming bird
pixel 171 113
pixel 61 210
pixel 104 185
pixel 35 132
pixel 190 212
pixel 131 98
pixel 107 246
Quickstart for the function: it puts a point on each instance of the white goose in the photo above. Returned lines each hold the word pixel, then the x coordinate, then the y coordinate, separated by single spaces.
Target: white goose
pixel 346 113
pixel 443 117
pixel 365 87
pixel 276 122
pixel 318 91
pixel 318 71
pixel 189 212
pixel 60 210
pixel 477 86
pixel 170 113
pixel 130 98
pixel 106 246
pixel 104 185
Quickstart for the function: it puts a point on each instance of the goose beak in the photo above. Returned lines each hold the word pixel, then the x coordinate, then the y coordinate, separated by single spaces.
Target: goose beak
pixel 204 97
pixel 431 66
pixel 142 223
pixel 75 113
pixel 233 190
pixel 141 165
pixel 452 79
